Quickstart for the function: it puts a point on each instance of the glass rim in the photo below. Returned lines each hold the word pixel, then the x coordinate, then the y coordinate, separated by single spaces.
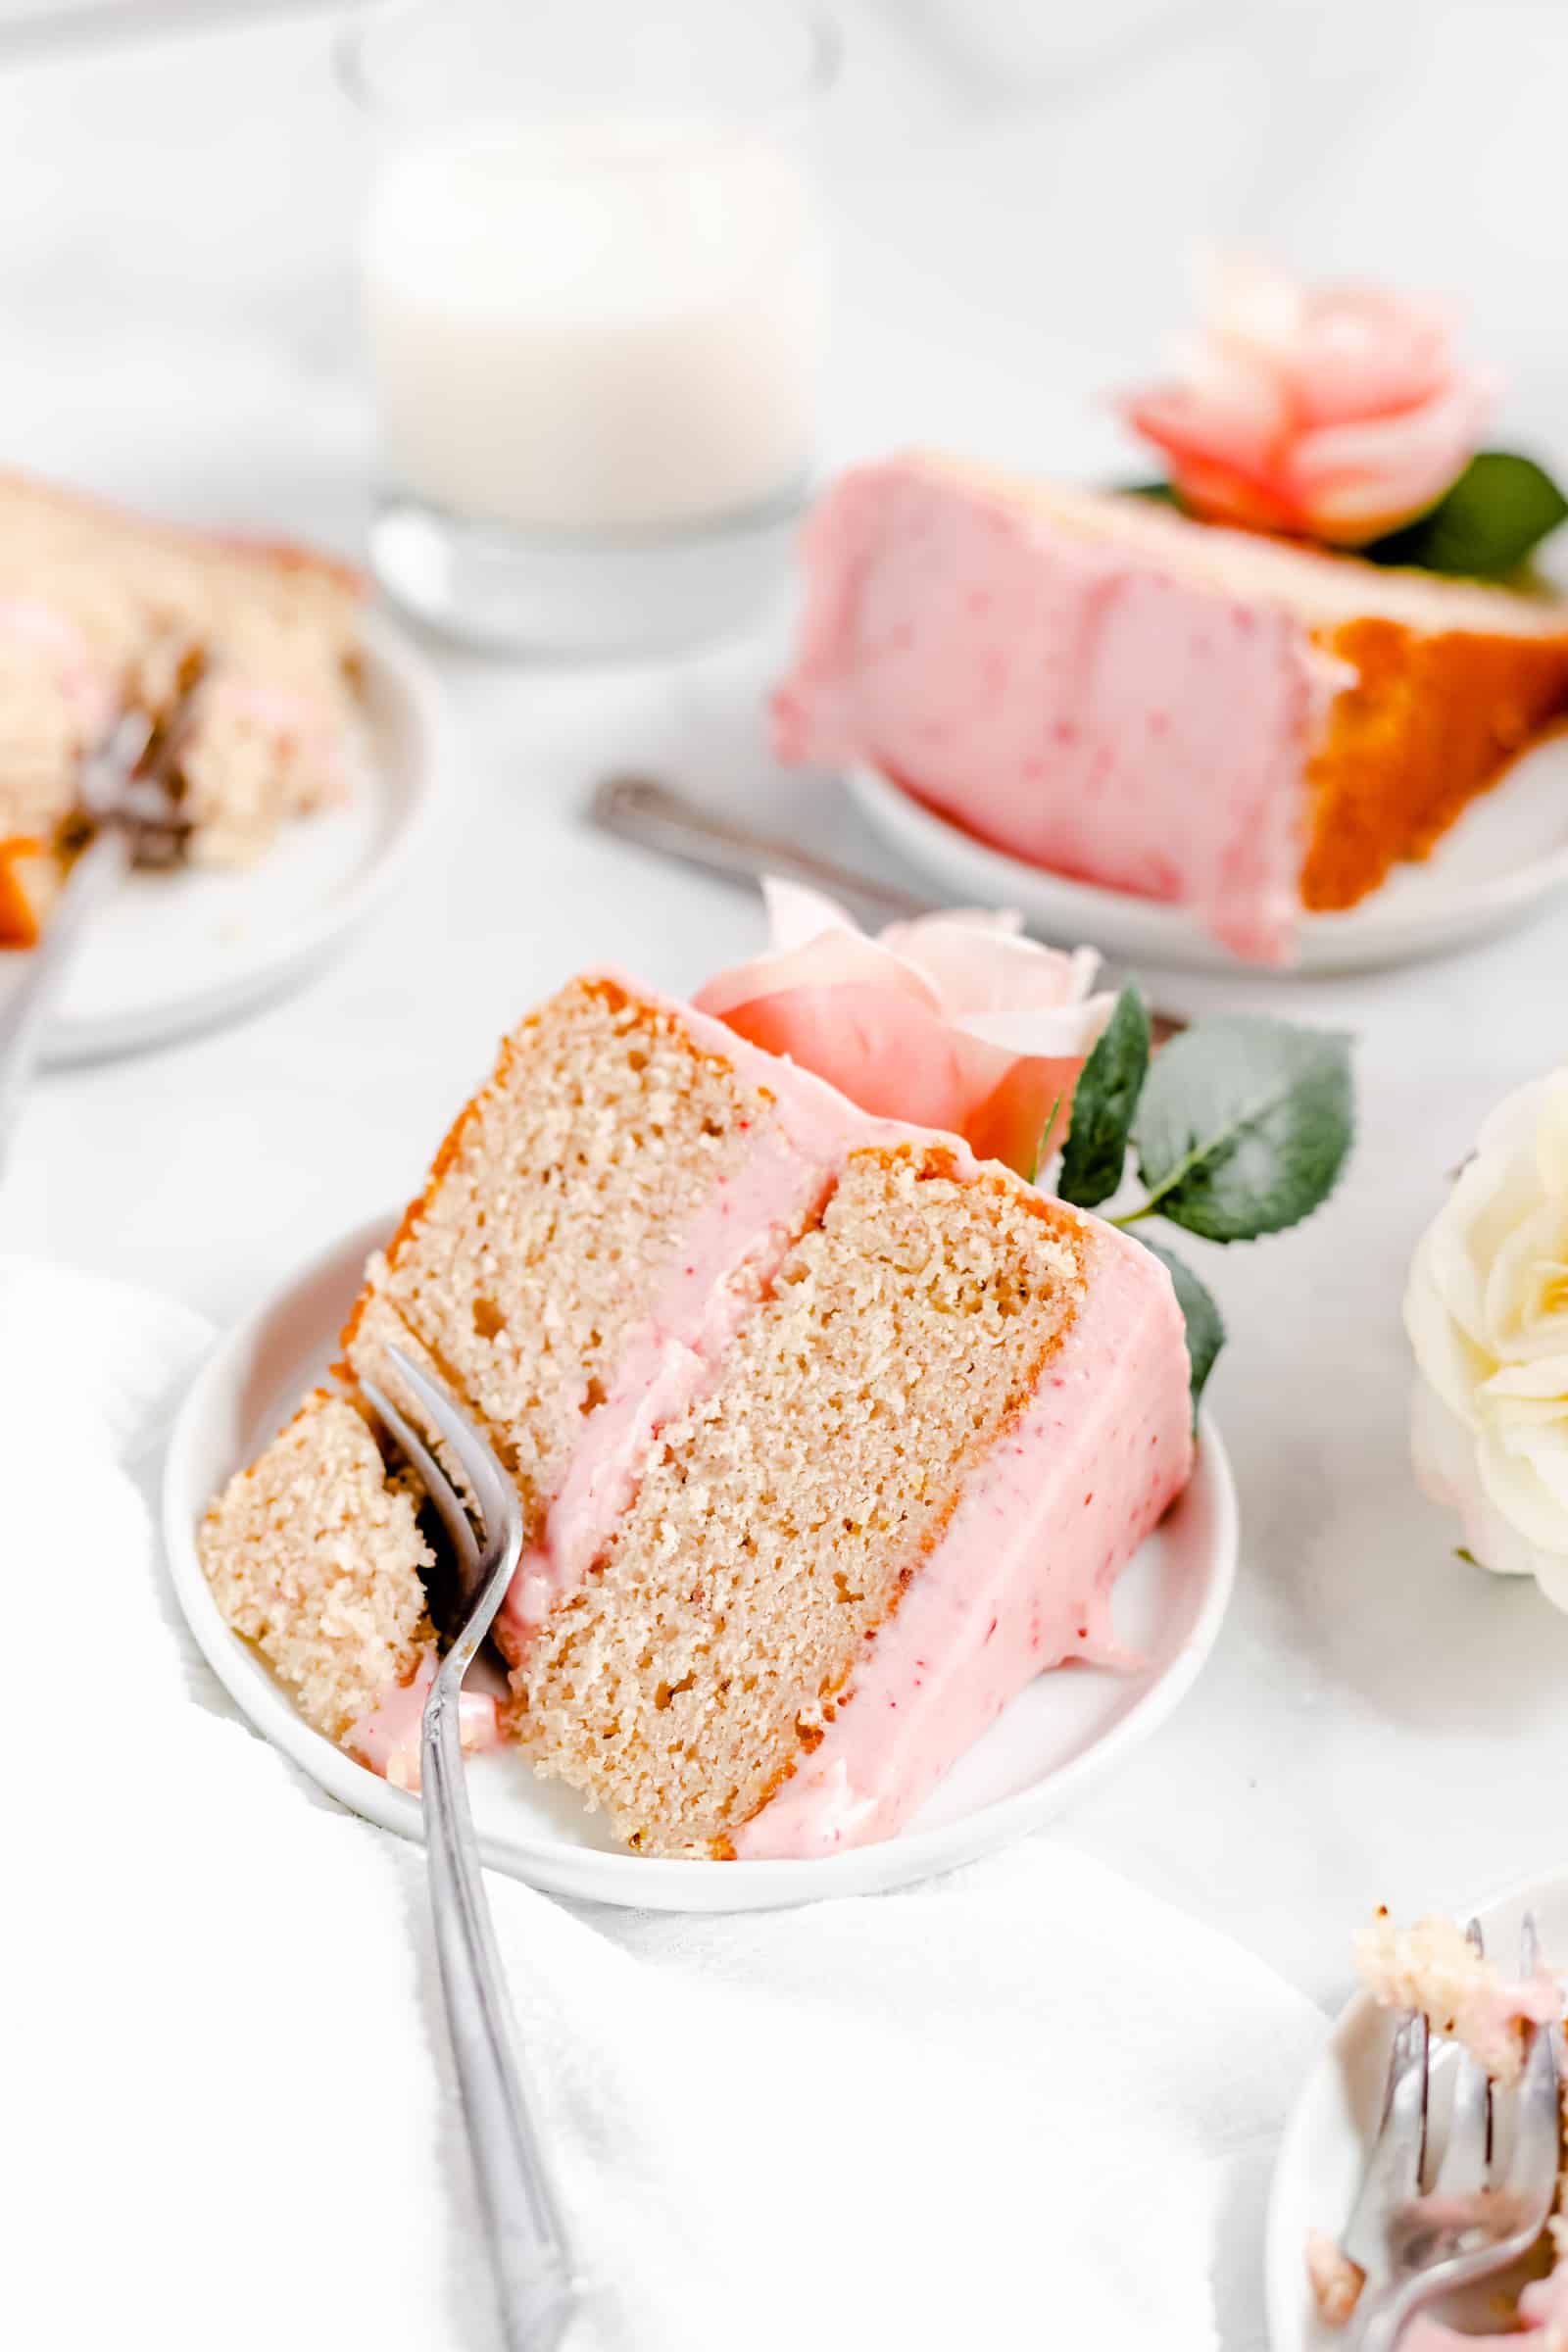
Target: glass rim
pixel 356 79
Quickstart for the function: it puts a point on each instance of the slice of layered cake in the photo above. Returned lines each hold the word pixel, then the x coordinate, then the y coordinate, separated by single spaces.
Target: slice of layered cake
pixel 1103 687
pixel 97 611
pixel 829 1438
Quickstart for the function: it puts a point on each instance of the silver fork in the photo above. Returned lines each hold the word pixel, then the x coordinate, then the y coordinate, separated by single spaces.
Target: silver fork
pixel 1474 2221
pixel 127 798
pixel 535 2278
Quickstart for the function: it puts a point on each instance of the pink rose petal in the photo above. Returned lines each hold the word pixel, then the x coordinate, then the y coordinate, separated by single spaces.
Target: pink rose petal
pixel 1361 479
pixel 953 1021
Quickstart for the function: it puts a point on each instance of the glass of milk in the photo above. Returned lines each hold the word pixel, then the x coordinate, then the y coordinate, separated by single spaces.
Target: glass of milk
pixel 596 299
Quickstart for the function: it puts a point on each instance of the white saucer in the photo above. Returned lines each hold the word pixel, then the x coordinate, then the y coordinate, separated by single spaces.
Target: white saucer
pixel 1507 858
pixel 1332 2124
pixel 1058 1735
pixel 172 953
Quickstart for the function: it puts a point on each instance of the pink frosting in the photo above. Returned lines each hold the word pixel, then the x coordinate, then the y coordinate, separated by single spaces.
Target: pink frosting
pixel 669 1360
pixel 1072 700
pixel 46 630
pixel 387 1739
pixel 284 708
pixel 1021 1579
pixel 1543 2304
pixel 1492 2015
pixel 744 1229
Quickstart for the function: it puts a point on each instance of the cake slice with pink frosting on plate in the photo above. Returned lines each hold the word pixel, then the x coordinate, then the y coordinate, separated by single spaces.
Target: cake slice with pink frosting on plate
pixel 830 1433
pixel 1118 692
pixel 1254 690
pixel 99 609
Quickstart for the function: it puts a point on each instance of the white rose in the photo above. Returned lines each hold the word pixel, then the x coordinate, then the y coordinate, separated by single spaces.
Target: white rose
pixel 1487 1311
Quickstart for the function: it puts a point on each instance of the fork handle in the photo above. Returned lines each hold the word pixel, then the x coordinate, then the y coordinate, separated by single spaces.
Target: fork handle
pixel 25 1023
pixel 654 816
pixel 533 2269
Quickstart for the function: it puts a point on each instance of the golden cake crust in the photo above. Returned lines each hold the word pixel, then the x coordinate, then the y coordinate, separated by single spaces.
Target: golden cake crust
pixel 22 863
pixel 1430 721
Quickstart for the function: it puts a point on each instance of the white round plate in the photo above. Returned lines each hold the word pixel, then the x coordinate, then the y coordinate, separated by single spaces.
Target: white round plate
pixel 1507 858
pixel 173 952
pixel 1063 1732
pixel 1332 2125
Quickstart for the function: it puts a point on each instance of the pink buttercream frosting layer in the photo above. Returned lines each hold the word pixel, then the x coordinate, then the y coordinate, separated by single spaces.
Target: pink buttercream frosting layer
pixel 739 1238
pixel 737 1241
pixel 56 638
pixel 389 1738
pixel 1071 700
pixel 1492 2014
pixel 1021 1579
pixel 1544 2304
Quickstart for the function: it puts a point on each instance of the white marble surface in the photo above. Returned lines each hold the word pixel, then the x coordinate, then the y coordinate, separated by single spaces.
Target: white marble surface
pixel 1015 188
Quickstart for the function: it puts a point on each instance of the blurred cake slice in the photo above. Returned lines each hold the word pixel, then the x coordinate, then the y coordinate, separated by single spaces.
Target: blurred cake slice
pixel 1106 689
pixel 98 608
pixel 830 1436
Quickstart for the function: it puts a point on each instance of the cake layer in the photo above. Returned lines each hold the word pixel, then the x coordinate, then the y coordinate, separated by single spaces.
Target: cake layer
pixel 1021 1577
pixel 1111 691
pixel 316 1556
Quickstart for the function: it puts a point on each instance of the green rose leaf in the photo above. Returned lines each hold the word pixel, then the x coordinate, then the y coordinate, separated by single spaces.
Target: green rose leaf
pixel 1103 1106
pixel 1206 1326
pixel 1500 509
pixel 1244 1126
pixel 1163 494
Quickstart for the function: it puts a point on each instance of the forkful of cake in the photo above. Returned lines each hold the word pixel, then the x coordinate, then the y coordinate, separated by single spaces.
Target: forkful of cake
pixel 1415 2234
pixel 129 796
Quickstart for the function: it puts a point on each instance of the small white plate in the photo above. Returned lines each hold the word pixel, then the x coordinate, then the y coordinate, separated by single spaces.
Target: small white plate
pixel 172 953
pixel 1333 2123
pixel 1506 858
pixel 1063 1732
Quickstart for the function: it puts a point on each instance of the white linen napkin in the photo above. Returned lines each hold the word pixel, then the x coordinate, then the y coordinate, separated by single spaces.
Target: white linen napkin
pixel 1024 2104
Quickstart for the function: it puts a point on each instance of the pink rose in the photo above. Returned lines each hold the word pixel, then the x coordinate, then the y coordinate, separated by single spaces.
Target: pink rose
pixel 954 1022
pixel 1334 413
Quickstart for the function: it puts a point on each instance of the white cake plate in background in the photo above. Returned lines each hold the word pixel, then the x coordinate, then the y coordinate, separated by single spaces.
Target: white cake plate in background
pixel 1065 1732
pixel 1332 2125
pixel 172 953
pixel 1506 858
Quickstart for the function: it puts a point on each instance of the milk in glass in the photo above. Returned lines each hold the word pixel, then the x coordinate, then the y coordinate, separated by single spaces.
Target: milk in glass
pixel 609 327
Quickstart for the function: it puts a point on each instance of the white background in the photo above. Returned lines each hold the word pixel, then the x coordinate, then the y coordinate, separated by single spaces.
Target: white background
pixel 1015 188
